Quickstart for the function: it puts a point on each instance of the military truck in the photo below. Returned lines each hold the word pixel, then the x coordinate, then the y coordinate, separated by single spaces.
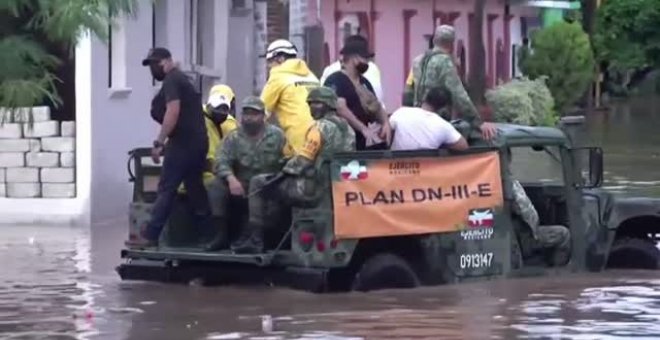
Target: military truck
pixel 398 219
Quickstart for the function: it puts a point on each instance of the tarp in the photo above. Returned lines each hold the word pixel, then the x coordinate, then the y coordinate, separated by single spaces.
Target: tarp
pixel 408 196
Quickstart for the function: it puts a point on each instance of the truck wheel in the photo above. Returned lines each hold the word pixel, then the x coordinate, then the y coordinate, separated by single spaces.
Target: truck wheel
pixel 383 271
pixel 634 253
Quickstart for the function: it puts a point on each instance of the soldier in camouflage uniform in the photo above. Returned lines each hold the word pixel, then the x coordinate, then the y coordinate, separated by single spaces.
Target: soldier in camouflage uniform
pixel 300 183
pixel 256 147
pixel 435 68
pixel 556 238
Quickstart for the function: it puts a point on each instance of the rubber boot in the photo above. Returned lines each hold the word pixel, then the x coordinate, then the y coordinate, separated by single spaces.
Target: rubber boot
pixel 254 244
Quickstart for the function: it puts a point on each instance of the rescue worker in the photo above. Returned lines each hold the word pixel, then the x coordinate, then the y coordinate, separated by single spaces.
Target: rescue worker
pixel 219 123
pixel 285 92
pixel 553 238
pixel 302 180
pixel 252 149
pixel 436 68
pixel 372 74
pixel 182 127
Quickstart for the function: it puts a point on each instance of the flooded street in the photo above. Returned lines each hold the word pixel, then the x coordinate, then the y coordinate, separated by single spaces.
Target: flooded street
pixel 59 283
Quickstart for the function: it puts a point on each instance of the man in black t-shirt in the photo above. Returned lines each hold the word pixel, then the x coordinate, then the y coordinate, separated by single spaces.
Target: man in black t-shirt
pixel 359 113
pixel 177 108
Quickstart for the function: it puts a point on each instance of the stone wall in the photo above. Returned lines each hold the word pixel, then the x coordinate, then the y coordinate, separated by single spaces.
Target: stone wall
pixel 38 159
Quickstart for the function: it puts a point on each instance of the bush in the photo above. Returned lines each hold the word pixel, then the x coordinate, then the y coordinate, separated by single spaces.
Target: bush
pixel 523 101
pixel 562 52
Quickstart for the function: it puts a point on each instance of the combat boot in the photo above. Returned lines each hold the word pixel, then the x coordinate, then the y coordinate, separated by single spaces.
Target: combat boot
pixel 220 240
pixel 253 244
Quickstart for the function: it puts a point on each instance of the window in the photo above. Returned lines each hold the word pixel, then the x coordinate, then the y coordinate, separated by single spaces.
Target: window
pixel 535 166
pixel 200 41
pixel 117 55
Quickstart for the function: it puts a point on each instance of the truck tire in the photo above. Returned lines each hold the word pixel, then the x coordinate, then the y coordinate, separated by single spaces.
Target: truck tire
pixel 634 253
pixel 383 271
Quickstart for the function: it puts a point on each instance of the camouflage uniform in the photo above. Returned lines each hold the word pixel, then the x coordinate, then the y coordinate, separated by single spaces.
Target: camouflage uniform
pixel 556 238
pixel 303 177
pixel 435 68
pixel 244 157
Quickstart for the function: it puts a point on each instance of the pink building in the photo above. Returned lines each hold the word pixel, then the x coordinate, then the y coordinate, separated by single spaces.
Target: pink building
pixel 399 30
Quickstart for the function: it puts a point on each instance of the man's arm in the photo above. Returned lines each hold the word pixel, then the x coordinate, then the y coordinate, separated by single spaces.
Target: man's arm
pixel 523 207
pixel 172 110
pixel 460 99
pixel 451 138
pixel 346 113
pixel 225 156
pixel 270 95
pixel 307 154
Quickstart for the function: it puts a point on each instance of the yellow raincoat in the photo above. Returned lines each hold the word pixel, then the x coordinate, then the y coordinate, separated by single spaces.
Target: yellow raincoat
pixel 285 95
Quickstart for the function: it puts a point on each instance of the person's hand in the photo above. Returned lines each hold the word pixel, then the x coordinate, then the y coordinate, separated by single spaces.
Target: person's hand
pixel 386 133
pixel 369 134
pixel 488 131
pixel 235 187
pixel 156 151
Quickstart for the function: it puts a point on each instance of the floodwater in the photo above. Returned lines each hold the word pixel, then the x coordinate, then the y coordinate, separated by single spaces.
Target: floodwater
pixel 59 283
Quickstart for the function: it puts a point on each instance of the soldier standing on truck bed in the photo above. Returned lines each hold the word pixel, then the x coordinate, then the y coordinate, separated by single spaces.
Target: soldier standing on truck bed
pixel 256 147
pixel 300 183
pixel 435 68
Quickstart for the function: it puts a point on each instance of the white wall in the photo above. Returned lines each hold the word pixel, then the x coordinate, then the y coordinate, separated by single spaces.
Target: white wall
pixel 120 119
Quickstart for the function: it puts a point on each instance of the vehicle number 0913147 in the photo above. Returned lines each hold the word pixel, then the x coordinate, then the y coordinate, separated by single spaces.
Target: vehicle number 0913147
pixel 479 260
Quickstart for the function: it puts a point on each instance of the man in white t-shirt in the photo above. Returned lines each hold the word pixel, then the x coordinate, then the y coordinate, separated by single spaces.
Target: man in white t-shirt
pixel 372 74
pixel 419 128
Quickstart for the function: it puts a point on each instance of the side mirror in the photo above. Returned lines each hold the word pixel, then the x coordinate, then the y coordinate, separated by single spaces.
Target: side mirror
pixel 589 166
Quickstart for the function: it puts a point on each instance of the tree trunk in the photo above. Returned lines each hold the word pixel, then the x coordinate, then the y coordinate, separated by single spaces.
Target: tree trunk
pixel 477 79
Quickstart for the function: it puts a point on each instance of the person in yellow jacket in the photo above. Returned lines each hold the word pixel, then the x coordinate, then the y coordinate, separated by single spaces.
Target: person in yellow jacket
pixel 285 93
pixel 219 117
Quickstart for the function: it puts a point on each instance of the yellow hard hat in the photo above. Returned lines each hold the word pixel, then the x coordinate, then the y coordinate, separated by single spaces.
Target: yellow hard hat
pixel 220 94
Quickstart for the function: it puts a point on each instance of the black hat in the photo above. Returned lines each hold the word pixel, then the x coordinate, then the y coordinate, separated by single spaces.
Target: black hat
pixel 356 47
pixel 156 54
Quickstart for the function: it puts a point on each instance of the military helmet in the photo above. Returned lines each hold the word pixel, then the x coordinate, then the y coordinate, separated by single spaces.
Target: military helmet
pixel 323 95
pixel 254 103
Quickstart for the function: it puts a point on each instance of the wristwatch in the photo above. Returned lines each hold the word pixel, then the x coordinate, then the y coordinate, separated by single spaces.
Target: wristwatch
pixel 158 144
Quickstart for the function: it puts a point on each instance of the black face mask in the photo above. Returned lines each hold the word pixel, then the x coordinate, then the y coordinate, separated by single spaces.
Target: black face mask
pixel 218 116
pixel 157 72
pixel 252 128
pixel 362 67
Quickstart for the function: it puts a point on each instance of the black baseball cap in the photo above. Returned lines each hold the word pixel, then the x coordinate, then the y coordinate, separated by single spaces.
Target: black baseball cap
pixel 156 54
pixel 356 46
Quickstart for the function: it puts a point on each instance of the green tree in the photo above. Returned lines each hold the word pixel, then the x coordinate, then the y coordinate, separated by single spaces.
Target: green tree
pixel 563 53
pixel 26 26
pixel 627 34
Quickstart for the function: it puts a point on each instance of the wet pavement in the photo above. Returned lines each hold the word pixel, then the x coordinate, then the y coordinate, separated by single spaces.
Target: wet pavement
pixel 59 283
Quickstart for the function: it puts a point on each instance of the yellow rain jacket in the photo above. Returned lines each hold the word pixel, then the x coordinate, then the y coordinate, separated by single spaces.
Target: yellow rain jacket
pixel 285 95
pixel 215 135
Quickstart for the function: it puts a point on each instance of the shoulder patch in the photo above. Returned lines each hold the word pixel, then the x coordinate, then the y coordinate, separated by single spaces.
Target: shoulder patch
pixel 312 142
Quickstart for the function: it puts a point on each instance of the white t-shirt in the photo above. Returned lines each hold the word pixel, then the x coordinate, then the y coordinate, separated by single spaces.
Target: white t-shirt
pixel 416 129
pixel 372 75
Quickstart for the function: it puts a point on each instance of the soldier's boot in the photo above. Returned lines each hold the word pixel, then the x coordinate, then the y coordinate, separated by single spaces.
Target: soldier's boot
pixel 252 244
pixel 220 240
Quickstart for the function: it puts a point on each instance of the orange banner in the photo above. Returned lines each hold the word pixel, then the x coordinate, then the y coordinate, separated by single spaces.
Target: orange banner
pixel 389 197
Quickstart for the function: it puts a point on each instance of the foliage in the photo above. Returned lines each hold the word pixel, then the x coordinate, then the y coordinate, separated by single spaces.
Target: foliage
pixel 627 34
pixel 523 101
pixel 28 27
pixel 562 52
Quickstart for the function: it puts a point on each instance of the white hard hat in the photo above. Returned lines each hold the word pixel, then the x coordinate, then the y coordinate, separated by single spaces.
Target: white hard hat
pixel 280 46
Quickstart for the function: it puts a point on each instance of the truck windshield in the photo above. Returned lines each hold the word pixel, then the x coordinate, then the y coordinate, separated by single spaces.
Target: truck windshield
pixel 534 166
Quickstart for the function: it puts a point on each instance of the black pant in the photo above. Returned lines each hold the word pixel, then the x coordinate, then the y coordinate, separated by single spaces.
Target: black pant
pixel 181 165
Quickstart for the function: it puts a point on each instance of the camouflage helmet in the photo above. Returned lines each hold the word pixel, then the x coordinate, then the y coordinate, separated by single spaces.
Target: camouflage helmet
pixel 254 103
pixel 323 95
